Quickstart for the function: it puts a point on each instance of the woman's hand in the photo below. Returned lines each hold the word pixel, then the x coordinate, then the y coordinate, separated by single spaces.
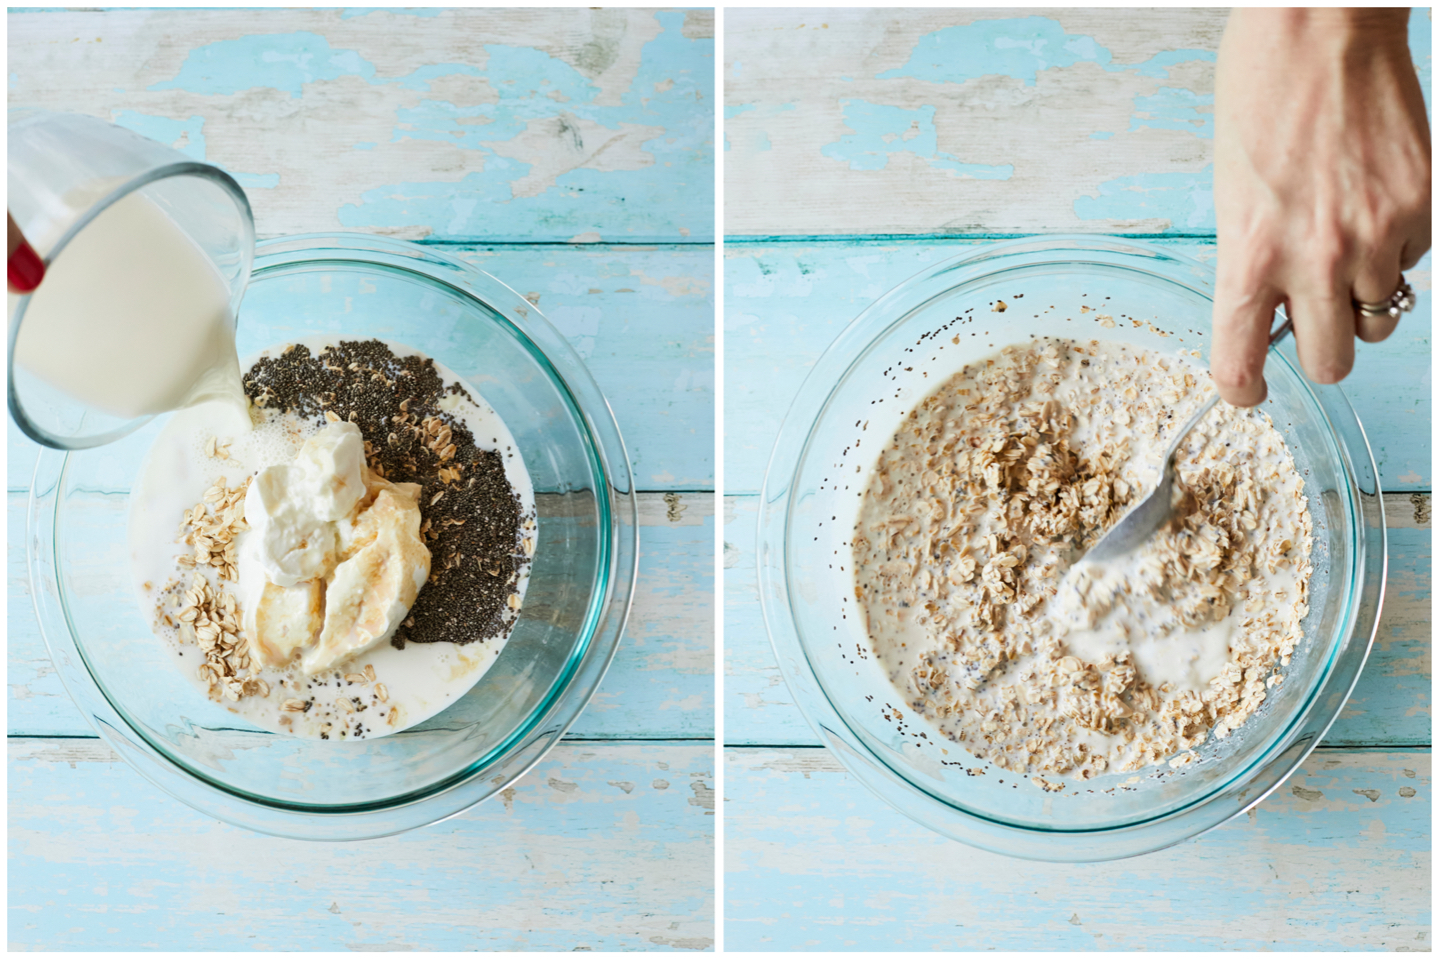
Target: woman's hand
pixel 25 267
pixel 1322 185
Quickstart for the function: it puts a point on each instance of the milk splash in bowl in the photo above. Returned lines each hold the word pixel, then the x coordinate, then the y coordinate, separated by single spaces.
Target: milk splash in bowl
pixel 307 546
pixel 989 621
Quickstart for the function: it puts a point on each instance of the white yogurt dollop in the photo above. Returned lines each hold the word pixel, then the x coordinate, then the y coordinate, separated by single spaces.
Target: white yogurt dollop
pixel 419 680
pixel 292 508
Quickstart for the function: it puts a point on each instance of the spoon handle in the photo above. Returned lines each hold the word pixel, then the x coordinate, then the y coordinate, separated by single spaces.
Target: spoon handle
pixel 1279 334
pixel 1146 516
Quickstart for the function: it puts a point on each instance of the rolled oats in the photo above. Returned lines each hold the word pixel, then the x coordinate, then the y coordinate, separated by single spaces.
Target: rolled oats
pixel 969 559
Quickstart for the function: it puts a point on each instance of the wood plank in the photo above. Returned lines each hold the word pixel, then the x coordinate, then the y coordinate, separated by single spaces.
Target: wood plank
pixel 661 684
pixel 850 122
pixel 1338 858
pixel 455 124
pixel 467 129
pixel 1390 706
pixel 600 847
pixel 785 304
pixel 642 319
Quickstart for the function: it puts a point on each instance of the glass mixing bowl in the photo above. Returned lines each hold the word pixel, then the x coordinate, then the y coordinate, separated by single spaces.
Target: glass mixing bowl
pixel 889 359
pixel 581 580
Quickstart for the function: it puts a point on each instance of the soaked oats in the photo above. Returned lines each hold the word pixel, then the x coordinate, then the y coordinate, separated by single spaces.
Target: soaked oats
pixel 969 548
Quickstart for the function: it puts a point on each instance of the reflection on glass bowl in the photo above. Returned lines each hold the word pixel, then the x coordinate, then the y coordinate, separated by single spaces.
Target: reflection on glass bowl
pixel 574 612
pixel 876 371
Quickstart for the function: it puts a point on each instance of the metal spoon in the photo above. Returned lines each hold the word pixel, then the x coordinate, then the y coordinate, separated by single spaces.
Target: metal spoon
pixel 1146 517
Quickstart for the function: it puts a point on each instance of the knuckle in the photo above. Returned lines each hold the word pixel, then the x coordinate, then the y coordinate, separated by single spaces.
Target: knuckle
pixel 1382 226
pixel 1249 263
pixel 1265 262
pixel 1413 196
pixel 1329 249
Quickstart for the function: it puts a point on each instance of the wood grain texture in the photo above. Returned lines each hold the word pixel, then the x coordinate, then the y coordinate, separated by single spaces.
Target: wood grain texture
pixel 601 847
pixel 786 302
pixel 1337 858
pixel 642 319
pixel 570 153
pixel 873 122
pixel 1390 706
pixel 660 685
pixel 858 143
pixel 442 124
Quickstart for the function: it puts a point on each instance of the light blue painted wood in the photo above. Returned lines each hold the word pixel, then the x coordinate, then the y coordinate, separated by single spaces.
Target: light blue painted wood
pixel 1337 858
pixel 643 319
pixel 785 304
pixel 1390 706
pixel 570 153
pixel 472 125
pixel 600 847
pixel 970 121
pixel 660 685
pixel 644 322
pixel 860 143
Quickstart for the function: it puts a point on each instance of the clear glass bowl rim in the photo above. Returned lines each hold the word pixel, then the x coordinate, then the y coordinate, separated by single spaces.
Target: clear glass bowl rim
pixel 1300 736
pixel 542 731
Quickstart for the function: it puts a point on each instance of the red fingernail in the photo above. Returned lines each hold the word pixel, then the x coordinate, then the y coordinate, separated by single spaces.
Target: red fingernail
pixel 26 269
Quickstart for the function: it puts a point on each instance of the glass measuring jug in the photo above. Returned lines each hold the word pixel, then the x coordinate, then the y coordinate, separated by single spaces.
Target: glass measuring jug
pixel 137 240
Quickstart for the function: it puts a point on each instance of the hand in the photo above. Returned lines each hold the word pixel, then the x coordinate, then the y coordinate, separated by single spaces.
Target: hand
pixel 1322 185
pixel 25 268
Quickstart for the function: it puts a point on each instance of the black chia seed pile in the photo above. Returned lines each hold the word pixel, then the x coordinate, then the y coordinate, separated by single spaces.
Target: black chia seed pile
pixel 471 518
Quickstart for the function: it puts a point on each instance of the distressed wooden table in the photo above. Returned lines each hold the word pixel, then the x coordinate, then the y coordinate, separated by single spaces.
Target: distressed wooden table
pixel 865 145
pixel 570 153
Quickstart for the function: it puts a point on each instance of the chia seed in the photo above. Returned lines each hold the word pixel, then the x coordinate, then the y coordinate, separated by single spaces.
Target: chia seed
pixel 473 524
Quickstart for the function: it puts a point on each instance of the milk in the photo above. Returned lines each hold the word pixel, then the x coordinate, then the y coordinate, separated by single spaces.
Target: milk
pixel 133 319
pixel 1002 685
pixel 422 679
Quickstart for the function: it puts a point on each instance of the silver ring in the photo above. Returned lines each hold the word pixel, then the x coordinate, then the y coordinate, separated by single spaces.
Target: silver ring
pixel 1400 302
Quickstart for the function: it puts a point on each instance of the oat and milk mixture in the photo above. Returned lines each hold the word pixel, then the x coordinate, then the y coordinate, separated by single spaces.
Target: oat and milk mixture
pixel 354 563
pixel 969 552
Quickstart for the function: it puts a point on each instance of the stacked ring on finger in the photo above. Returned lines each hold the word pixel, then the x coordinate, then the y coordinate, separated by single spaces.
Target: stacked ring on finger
pixel 1400 302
